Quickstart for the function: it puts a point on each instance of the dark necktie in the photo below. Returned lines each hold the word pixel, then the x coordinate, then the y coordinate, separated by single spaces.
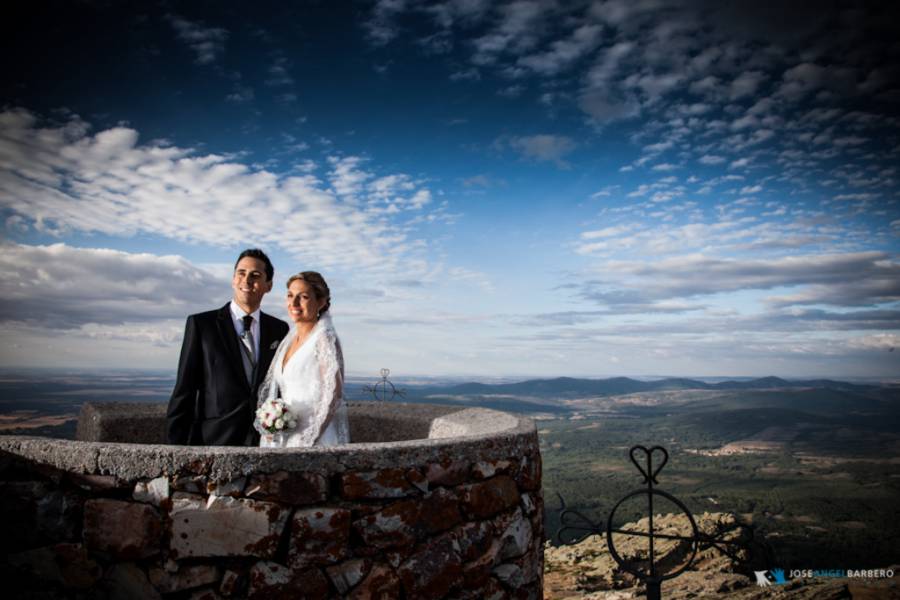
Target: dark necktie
pixel 249 352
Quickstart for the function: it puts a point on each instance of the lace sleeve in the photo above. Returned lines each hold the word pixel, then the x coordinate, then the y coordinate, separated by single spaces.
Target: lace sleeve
pixel 330 406
pixel 268 389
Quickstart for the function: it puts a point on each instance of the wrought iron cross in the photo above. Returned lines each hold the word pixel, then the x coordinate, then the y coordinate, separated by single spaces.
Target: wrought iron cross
pixel 380 388
pixel 575 527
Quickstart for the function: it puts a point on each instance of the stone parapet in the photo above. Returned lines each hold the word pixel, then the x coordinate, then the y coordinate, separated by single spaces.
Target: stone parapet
pixel 429 502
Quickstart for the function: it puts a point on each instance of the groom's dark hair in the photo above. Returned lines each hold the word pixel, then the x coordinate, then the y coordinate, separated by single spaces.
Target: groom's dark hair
pixel 258 254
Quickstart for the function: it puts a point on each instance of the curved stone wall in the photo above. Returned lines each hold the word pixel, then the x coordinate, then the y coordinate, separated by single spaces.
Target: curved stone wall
pixel 430 502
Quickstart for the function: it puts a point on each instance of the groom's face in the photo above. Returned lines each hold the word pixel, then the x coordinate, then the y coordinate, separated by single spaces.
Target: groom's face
pixel 249 283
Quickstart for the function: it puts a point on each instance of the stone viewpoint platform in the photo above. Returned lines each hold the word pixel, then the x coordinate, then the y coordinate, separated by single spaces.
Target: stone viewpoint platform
pixel 428 502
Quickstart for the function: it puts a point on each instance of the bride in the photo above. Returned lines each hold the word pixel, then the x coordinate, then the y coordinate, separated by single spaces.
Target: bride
pixel 307 372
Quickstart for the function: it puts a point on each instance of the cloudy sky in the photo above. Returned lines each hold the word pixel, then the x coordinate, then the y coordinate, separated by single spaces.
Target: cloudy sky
pixel 525 188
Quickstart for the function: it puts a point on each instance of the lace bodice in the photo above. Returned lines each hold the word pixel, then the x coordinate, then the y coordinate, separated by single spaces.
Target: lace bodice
pixel 311 383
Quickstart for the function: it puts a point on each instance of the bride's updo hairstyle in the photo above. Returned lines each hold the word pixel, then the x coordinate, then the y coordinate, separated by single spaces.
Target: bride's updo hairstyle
pixel 317 283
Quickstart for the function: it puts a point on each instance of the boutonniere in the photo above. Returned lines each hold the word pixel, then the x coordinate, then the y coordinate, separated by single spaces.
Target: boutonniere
pixel 273 346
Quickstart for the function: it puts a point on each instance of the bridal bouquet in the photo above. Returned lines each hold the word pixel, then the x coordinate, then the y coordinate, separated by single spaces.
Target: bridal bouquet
pixel 274 416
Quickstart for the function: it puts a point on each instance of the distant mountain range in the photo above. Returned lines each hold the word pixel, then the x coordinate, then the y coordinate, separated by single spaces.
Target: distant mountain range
pixel 569 386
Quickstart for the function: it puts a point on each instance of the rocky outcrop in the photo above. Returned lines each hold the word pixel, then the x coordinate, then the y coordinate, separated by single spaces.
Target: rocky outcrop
pixel 587 570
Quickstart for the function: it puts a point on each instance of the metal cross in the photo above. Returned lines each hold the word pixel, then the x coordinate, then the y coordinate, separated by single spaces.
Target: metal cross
pixel 575 527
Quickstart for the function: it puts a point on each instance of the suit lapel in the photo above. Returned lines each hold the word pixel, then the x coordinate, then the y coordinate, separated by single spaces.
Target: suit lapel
pixel 230 343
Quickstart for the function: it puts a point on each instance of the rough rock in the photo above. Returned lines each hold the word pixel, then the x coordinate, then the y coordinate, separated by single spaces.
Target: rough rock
pixel 126 581
pixel 229 586
pixel 288 487
pixel 380 584
pixel 124 530
pixel 490 497
pixel 224 526
pixel 433 570
pixel 587 570
pixel 529 477
pixel 404 521
pixel 347 574
pixel 154 492
pixel 447 472
pixel 65 564
pixel 185 579
pixel 485 469
pixel 385 483
pixel 516 536
pixel 319 536
pixel 228 488
pixel 272 581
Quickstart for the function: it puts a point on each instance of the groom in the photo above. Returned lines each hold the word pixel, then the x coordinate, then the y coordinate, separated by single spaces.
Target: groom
pixel 224 357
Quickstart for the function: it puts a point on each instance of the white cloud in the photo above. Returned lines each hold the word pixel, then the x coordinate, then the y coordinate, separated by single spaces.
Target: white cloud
pixel 61 179
pixel 851 279
pixel 562 53
pixel 208 43
pixel 381 27
pixel 60 286
pixel 711 159
pixel 543 147
pixel 746 84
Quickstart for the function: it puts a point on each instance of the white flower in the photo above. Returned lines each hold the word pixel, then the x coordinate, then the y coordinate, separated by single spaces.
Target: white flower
pixel 279 423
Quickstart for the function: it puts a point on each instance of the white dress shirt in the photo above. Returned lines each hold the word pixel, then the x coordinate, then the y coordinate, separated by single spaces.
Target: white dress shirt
pixel 237 318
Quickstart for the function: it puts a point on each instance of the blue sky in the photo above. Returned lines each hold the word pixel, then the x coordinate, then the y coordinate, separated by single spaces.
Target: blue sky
pixel 526 188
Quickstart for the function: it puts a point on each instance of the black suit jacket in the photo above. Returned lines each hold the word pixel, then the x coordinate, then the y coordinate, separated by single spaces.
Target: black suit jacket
pixel 212 403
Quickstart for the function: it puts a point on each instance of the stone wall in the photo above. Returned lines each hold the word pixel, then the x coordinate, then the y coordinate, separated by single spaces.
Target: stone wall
pixel 458 514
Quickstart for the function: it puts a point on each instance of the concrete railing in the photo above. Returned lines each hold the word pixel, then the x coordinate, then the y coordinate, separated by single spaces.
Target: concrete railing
pixel 428 502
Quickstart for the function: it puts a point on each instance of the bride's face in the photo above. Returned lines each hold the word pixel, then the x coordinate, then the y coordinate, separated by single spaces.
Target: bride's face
pixel 302 304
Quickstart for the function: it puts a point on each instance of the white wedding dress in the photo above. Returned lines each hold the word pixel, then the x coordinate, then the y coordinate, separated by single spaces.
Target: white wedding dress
pixel 312 386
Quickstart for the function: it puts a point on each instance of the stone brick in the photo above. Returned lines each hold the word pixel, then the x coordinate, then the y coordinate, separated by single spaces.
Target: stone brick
pixel 380 584
pixel 447 472
pixel 485 499
pixel 386 483
pixel 124 530
pixel 474 539
pixel 207 594
pixel 231 583
pixel 96 483
pixel 185 579
pixel 347 574
pixel 391 526
pixel 528 504
pixel 415 477
pixel 439 511
pixel 516 536
pixel 319 536
pixel 192 484
pixel 510 575
pixel 35 515
pixel 486 469
pixel 519 573
pixel 126 581
pixel 224 526
pixel 289 487
pixel 68 565
pixel 433 570
pixel 272 581
pixel 155 491
pixel 490 590
pixel 529 477
pixel 402 522
pixel 57 515
pixel 226 488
